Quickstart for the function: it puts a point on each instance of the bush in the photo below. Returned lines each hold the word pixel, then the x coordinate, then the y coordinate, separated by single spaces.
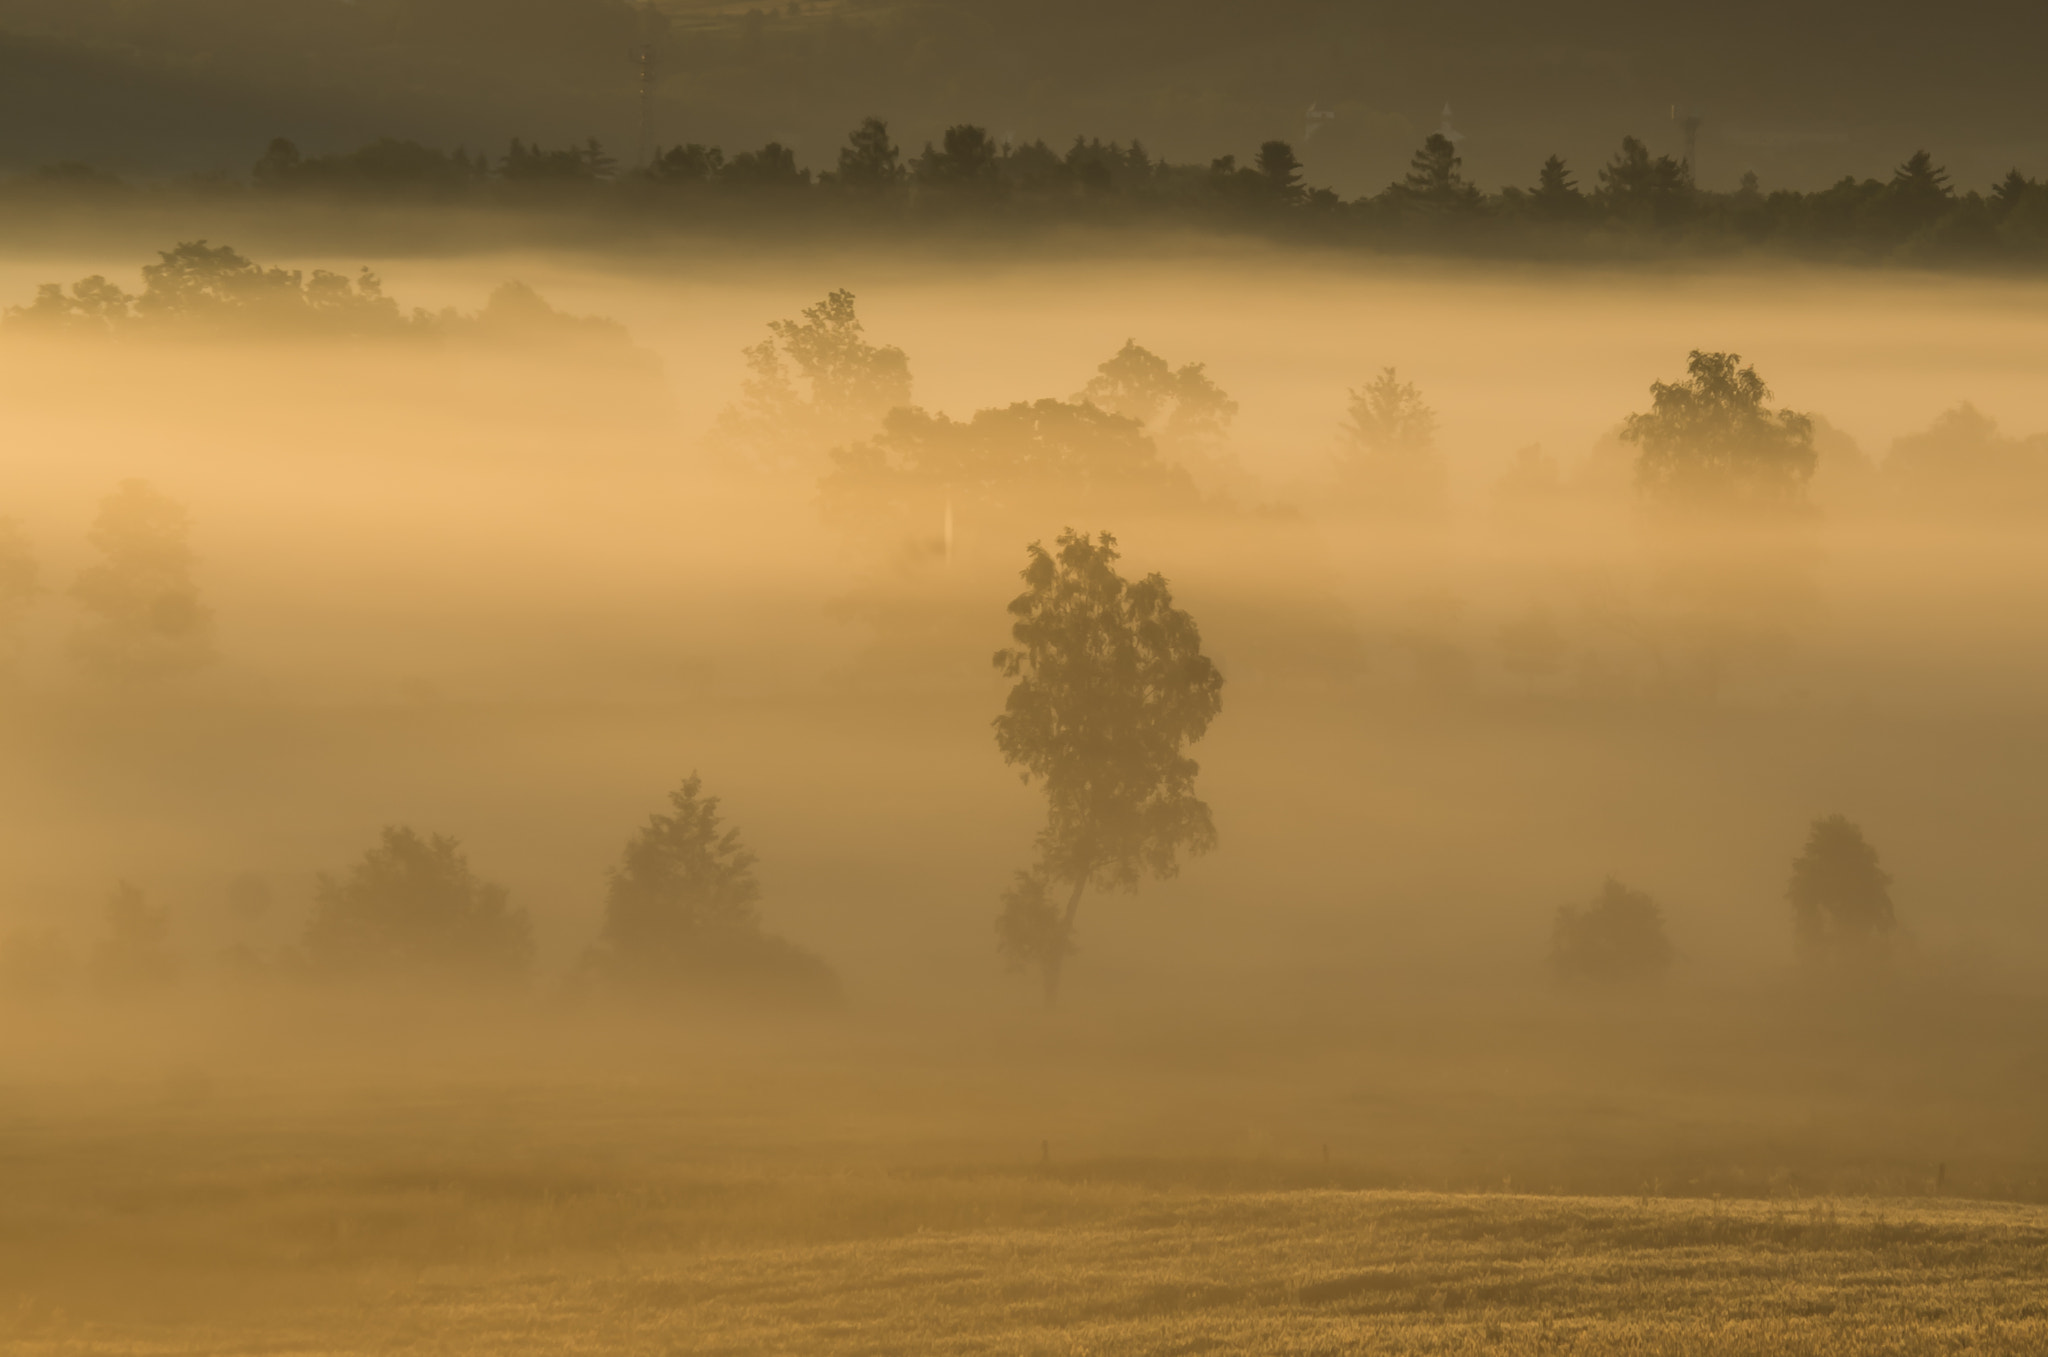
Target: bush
pixel 1616 940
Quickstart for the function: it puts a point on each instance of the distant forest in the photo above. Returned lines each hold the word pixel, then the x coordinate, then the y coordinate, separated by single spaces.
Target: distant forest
pixel 1634 204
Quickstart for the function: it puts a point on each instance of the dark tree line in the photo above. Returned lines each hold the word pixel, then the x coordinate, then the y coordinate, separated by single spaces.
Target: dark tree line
pixel 1632 202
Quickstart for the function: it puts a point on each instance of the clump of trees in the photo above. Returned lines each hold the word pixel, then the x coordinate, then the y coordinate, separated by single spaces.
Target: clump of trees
pixel 1842 915
pixel 411 911
pixel 1110 687
pixel 1712 440
pixel 682 916
pixel 1637 200
pixel 1615 940
pixel 213 290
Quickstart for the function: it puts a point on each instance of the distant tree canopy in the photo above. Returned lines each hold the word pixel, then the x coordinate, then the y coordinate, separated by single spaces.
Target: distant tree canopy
pixel 1713 441
pixel 681 914
pixel 411 911
pixel 1110 688
pixel 1841 899
pixel 207 289
pixel 1617 939
pixel 1961 463
pixel 144 617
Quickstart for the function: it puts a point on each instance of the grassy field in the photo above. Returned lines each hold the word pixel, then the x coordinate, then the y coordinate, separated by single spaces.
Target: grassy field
pixel 607 1219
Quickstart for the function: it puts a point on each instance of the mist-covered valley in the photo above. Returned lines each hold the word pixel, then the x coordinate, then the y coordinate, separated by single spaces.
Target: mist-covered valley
pixel 1519 743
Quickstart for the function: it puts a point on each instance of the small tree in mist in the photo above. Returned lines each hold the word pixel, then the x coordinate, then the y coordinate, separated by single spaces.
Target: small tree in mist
pixel 411 910
pixel 144 617
pixel 681 913
pixel 1390 456
pixel 1182 404
pixel 815 382
pixel 1713 441
pixel 1841 898
pixel 1617 939
pixel 1111 687
pixel 133 955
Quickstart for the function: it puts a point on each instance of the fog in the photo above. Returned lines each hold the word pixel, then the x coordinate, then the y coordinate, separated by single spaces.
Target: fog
pixel 515 592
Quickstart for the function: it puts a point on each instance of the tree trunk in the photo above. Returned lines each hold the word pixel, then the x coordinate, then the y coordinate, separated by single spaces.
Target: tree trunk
pixel 1059 956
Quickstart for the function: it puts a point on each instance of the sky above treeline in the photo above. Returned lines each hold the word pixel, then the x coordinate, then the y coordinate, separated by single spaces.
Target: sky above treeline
pixel 1800 93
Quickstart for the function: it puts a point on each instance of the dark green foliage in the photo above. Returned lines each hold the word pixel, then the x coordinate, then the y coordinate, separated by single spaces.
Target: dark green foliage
pixel 1616 940
pixel 144 617
pixel 1111 686
pixel 869 162
pixel 1712 442
pixel 1643 202
pixel 411 911
pixel 680 914
pixel 1434 179
pixel 1841 899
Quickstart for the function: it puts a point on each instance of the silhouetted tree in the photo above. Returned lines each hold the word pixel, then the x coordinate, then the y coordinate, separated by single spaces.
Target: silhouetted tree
pixel 1841 899
pixel 772 167
pixel 816 382
pixel 680 913
pixel 1617 939
pixel 1637 186
pixel 1557 193
pixel 688 164
pixel 1433 176
pixel 1281 171
pixel 1111 686
pixel 967 160
pixel 412 911
pixel 133 955
pixel 869 162
pixel 145 619
pixel 1712 441
pixel 1390 456
pixel 1182 403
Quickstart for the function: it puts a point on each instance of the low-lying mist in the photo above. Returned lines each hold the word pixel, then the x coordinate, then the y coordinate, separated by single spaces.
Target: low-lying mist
pixel 473 609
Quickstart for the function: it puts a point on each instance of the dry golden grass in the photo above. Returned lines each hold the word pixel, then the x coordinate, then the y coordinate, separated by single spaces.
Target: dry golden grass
pixel 581 1219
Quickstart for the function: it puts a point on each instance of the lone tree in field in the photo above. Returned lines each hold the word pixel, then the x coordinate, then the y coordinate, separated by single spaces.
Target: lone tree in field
pixel 1616 940
pixel 1111 687
pixel 1711 441
pixel 1841 899
pixel 680 914
pixel 412 910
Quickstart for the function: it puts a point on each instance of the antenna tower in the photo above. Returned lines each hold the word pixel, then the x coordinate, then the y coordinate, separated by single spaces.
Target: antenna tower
pixel 643 57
